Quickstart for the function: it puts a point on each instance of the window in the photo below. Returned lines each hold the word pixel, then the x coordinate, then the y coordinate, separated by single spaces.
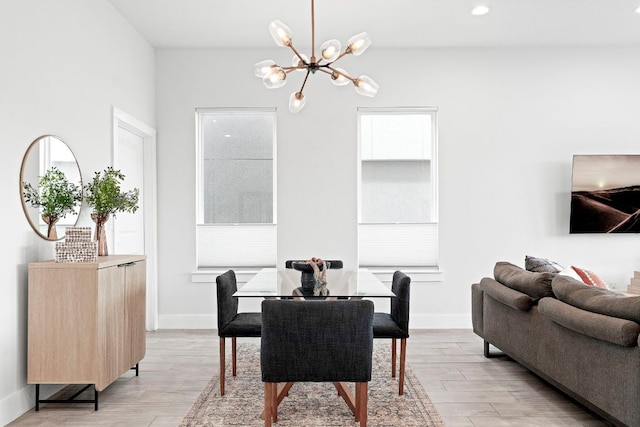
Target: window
pixel 236 209
pixel 398 209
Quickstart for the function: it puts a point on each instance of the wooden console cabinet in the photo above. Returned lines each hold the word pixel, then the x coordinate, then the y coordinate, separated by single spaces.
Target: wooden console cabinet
pixel 86 320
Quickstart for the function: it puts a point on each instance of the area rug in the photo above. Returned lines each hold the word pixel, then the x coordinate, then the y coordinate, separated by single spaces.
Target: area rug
pixel 311 404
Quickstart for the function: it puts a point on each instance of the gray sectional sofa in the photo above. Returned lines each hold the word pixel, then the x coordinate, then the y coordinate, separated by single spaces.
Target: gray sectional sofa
pixel 581 339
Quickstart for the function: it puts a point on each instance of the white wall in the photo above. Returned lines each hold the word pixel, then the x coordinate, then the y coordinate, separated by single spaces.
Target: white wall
pixel 509 122
pixel 64 65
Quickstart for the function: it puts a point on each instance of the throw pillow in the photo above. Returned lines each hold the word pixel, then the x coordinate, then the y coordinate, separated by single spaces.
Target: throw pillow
pixel 589 277
pixel 541 265
pixel 569 271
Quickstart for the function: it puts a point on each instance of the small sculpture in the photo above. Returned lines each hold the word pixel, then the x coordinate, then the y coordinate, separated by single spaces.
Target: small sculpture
pixel 314 277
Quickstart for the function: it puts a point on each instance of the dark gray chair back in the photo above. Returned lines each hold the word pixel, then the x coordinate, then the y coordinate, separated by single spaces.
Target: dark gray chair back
pixel 316 340
pixel 332 264
pixel 401 286
pixel 227 305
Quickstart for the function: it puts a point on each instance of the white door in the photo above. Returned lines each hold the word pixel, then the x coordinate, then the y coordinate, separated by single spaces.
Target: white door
pixel 134 153
pixel 128 157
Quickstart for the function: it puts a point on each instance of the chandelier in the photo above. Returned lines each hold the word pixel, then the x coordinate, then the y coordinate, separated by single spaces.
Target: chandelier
pixel 274 76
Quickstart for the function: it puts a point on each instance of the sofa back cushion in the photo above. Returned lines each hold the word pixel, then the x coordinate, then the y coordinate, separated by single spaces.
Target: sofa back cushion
pixel 506 295
pixel 536 285
pixel 605 328
pixel 596 300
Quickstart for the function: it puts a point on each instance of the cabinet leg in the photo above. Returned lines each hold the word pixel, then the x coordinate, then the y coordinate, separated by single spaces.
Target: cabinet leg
pixel 71 399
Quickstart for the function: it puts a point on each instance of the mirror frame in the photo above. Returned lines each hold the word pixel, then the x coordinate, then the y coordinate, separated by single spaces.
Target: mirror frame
pixel 26 208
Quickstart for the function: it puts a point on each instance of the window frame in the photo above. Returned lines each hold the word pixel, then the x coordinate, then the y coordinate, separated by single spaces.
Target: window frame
pixel 429 230
pixel 210 251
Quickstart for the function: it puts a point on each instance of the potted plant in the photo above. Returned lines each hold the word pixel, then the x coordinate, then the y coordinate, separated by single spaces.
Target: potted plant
pixel 55 197
pixel 104 197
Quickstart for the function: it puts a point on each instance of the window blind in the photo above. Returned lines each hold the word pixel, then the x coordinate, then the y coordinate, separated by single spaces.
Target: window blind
pixel 398 245
pixel 246 245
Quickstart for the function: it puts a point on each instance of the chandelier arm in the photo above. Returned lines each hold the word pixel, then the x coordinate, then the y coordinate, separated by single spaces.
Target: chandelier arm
pixel 294 68
pixel 295 51
pixel 346 51
pixel 304 82
pixel 324 71
pixel 347 76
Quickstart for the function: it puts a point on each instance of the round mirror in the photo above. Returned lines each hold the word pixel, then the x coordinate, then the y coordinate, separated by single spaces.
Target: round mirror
pixel 50 187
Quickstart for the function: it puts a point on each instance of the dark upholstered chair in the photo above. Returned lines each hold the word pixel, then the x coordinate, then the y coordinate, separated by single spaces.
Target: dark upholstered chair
pixel 331 263
pixel 395 325
pixel 316 341
pixel 232 324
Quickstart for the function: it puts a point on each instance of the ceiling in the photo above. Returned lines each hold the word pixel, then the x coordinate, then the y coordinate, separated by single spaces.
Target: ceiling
pixel 391 23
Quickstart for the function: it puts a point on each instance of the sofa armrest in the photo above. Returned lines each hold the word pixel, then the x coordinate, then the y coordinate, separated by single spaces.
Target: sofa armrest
pixel 605 328
pixel 477 312
pixel 507 296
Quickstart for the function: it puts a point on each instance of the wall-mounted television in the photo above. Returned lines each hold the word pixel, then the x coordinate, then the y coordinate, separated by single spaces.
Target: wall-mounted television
pixel 605 194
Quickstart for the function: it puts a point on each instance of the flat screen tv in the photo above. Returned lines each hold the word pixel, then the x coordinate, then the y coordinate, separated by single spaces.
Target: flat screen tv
pixel 605 194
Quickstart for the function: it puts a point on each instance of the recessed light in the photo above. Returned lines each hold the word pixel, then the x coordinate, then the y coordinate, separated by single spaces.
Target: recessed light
pixel 226 135
pixel 480 10
pixel 638 9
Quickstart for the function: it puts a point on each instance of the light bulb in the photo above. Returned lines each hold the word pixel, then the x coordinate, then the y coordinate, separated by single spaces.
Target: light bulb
pixel 277 78
pixel 359 43
pixel 297 102
pixel 366 86
pixel 330 50
pixel 263 68
pixel 296 62
pixel 280 32
pixel 338 77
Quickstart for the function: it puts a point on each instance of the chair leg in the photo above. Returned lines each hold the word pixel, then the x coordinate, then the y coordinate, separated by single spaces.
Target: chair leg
pixel 233 356
pixel 222 350
pixel 274 402
pixel 362 391
pixel 403 358
pixel 268 402
pixel 393 357
pixel 358 409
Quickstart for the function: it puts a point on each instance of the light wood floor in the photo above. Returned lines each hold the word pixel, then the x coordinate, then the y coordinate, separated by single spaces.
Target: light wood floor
pixel 466 388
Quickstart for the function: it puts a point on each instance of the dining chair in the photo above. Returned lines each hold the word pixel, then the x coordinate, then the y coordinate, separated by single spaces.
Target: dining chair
pixel 395 325
pixel 316 341
pixel 232 324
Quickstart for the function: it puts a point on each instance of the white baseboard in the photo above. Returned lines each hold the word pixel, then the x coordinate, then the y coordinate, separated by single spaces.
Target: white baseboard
pixel 23 400
pixel 440 321
pixel 421 321
pixel 188 321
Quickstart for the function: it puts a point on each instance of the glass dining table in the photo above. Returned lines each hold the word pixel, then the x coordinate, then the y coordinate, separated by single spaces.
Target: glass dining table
pixel 341 283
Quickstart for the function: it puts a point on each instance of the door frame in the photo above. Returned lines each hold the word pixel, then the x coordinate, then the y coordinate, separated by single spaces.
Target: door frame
pixel 148 134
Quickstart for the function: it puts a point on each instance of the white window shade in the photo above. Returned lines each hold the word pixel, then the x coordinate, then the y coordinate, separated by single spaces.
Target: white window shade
pixel 398 245
pixel 236 245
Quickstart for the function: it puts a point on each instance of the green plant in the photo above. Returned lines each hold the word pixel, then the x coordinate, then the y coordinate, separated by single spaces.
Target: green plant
pixel 55 195
pixel 103 194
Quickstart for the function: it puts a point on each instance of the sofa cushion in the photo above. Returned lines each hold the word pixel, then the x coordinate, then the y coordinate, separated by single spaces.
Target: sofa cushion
pixel 541 265
pixel 536 285
pixel 596 300
pixel 506 295
pixel 605 328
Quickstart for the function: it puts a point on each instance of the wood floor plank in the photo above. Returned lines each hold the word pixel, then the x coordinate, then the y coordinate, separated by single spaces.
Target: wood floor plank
pixel 468 389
